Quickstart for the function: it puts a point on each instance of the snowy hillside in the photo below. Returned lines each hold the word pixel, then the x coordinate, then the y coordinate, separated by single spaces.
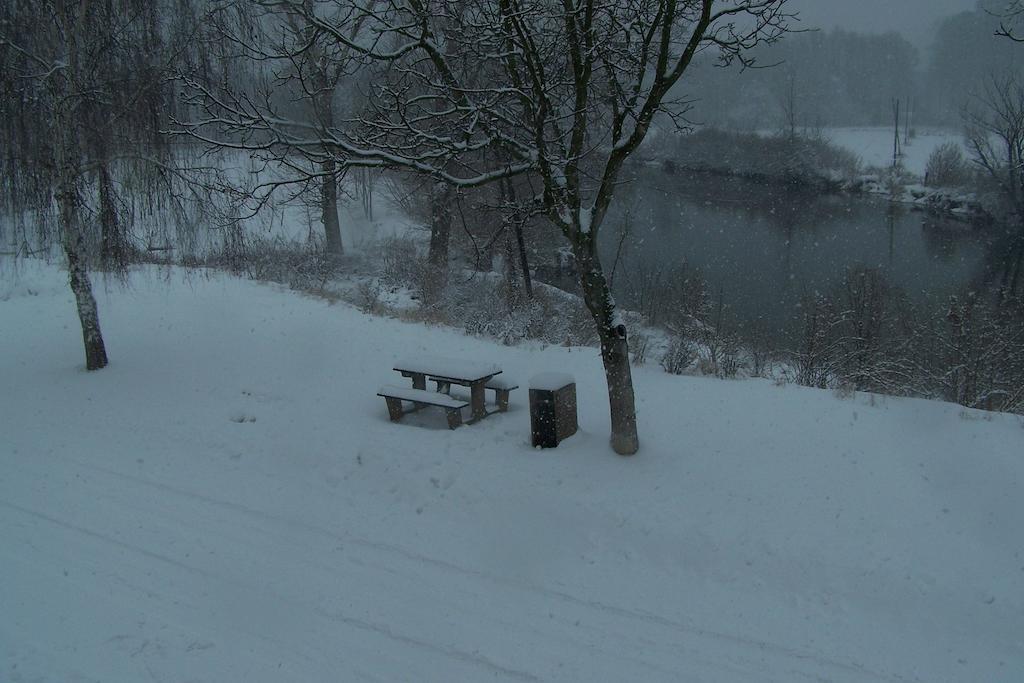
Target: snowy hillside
pixel 229 502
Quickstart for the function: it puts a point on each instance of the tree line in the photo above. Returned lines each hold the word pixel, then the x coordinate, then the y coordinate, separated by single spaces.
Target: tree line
pixel 843 78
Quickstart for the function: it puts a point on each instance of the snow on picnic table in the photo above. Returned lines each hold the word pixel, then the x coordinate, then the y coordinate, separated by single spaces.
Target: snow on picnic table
pixel 447 367
pixel 229 502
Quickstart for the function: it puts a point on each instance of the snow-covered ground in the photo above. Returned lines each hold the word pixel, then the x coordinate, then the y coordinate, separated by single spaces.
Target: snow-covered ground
pixel 229 502
pixel 874 145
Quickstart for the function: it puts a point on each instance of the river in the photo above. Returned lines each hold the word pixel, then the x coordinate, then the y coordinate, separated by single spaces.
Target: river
pixel 762 249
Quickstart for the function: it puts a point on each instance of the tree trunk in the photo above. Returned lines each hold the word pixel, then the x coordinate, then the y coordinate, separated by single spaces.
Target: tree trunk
pixel 524 261
pixel 323 106
pixel 113 245
pixel 512 289
pixel 329 208
pixel 88 315
pixel 440 236
pixel 73 242
pixel 368 180
pixel 614 352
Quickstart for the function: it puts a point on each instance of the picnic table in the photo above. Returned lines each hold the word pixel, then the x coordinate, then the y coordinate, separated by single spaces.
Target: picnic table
pixel 448 371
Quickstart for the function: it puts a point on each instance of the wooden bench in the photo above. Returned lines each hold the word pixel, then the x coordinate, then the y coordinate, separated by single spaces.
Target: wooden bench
pixel 501 388
pixel 421 397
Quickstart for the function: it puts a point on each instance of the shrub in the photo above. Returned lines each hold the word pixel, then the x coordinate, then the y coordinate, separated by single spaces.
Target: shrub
pixel 679 355
pixel 802 160
pixel 403 264
pixel 947 167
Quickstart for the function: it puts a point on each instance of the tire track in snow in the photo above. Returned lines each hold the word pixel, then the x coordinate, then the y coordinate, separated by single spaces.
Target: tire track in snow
pixel 385 631
pixel 761 647
pixel 171 516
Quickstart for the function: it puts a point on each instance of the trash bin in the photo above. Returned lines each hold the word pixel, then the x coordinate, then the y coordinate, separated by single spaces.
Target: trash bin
pixel 552 408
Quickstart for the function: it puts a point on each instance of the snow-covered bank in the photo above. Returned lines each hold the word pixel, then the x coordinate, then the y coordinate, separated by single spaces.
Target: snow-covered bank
pixel 874 145
pixel 228 501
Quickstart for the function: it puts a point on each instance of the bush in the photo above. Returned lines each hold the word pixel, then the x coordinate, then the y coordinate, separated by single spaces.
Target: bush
pixel 895 180
pixel 675 296
pixel 402 263
pixel 760 349
pixel 863 336
pixel 302 266
pixel 947 167
pixel 679 355
pixel 800 161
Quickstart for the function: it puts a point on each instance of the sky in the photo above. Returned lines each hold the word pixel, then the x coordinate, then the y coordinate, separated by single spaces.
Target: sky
pixel 913 18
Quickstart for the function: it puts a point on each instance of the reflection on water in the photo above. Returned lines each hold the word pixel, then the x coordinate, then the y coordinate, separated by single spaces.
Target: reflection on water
pixel 763 249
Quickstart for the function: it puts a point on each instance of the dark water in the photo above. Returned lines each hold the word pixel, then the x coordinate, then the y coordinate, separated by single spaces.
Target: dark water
pixel 762 249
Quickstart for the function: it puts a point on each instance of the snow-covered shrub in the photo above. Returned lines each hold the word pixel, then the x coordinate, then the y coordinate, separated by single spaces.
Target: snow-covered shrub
pixel 300 265
pixel 403 264
pixel 895 180
pixel 979 360
pixel 676 295
pixel 864 336
pixel 759 350
pixel 870 353
pixel 727 361
pixel 368 296
pixel 679 356
pixel 804 160
pixel 947 167
pixel 815 357
pixel 481 305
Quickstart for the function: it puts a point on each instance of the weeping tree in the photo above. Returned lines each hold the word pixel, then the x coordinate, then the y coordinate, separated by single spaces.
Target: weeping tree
pixel 84 90
pixel 470 92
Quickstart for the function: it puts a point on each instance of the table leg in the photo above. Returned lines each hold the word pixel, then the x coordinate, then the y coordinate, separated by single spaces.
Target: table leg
pixel 477 400
pixel 419 380
pixel 394 408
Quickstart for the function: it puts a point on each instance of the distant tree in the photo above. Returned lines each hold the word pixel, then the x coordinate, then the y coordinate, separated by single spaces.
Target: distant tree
pixel 834 78
pixel 790 102
pixel 953 74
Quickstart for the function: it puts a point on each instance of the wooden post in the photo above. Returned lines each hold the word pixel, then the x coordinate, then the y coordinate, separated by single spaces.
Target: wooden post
pixel 478 400
pixel 501 398
pixel 394 408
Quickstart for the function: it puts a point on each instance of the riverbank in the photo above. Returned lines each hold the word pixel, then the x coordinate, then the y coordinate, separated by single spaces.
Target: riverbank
pixel 838 161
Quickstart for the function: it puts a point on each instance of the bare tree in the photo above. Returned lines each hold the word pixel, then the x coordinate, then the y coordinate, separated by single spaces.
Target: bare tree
pixel 995 137
pixel 480 90
pixel 298 74
pixel 789 101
